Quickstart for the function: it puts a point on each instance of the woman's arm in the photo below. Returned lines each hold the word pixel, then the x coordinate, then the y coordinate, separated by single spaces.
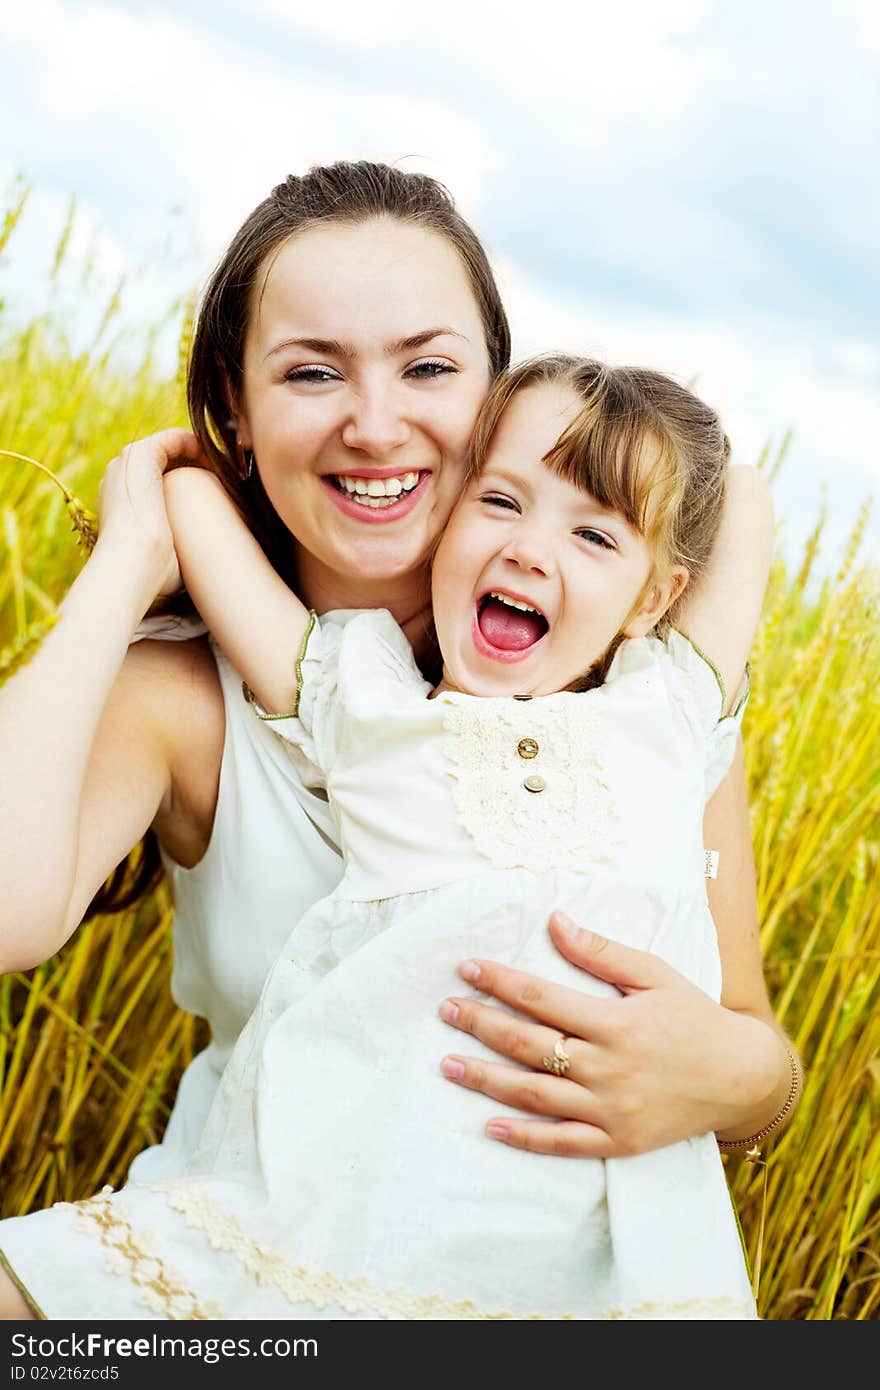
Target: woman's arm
pixel 256 619
pixel 87 728
pixel 734 905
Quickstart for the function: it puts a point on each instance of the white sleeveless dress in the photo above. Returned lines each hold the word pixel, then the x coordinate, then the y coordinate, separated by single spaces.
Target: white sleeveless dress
pixel 338 1174
pixel 273 853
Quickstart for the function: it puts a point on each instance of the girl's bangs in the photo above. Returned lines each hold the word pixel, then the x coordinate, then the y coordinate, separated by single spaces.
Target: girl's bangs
pixel 626 462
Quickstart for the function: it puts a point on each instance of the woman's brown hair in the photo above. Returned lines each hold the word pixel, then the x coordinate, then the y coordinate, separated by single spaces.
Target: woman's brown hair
pixel 341 192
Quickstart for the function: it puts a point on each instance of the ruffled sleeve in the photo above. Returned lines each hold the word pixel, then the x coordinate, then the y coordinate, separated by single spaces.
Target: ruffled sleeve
pixel 703 698
pixel 311 727
pixel 170 627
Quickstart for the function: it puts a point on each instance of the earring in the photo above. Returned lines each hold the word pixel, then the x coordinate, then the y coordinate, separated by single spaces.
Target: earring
pixel 249 462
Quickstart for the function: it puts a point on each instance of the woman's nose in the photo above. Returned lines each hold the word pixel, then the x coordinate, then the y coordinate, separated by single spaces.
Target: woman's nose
pixel 374 425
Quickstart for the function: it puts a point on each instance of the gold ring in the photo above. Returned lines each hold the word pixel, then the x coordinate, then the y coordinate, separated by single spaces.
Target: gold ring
pixel 560 1062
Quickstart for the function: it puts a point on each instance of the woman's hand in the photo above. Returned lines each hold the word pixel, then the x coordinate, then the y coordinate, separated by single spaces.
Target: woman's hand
pixel 131 503
pixel 660 1064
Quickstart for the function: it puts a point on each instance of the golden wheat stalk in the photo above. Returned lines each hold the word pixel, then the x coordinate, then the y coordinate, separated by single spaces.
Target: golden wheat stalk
pixel 22 647
pixel 85 523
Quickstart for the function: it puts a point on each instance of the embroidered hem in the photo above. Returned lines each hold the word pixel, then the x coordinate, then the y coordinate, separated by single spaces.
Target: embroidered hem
pixel 359 1295
pixel 159 1289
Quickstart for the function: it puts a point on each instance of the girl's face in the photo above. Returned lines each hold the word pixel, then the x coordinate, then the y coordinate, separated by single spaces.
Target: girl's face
pixel 533 579
pixel 365 367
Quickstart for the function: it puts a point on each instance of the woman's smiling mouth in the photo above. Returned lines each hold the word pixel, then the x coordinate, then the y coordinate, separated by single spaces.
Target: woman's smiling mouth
pixel 380 495
pixel 507 627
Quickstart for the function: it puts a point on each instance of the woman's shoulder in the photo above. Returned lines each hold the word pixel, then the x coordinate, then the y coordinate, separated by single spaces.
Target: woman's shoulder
pixel 174 690
pixel 186 670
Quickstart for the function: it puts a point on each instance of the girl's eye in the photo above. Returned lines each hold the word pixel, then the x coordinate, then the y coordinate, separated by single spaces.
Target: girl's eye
pixel 310 374
pixel 431 367
pixel 595 538
pixel 497 499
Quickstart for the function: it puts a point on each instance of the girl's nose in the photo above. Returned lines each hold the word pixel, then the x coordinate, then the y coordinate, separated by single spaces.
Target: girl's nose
pixel 374 424
pixel 529 550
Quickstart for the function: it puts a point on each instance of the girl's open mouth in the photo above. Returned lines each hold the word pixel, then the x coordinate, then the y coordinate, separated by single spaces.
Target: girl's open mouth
pixel 378 496
pixel 506 627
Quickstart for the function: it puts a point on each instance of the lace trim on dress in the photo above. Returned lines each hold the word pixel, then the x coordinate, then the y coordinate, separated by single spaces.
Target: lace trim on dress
pixel 158 1288
pixel 528 780
pixel 300 1285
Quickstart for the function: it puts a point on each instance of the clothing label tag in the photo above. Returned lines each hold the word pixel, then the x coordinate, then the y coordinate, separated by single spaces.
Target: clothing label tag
pixel 711 866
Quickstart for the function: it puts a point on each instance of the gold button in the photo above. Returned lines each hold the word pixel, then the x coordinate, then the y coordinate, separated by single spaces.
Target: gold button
pixel 527 748
pixel 522 697
pixel 534 784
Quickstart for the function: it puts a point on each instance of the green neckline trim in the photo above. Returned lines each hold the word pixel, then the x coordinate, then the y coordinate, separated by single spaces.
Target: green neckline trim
pixel 747 679
pixel 298 665
pixel 25 1293
pixel 708 660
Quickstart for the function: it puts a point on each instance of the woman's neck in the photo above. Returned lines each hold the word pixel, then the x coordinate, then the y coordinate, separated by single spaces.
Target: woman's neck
pixel 407 598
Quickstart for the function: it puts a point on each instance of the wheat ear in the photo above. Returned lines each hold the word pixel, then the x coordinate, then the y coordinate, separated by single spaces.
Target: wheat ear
pixel 22 648
pixel 84 522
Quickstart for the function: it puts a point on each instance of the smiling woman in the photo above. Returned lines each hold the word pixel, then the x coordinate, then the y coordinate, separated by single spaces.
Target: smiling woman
pixel 385 414
pixel 590 800
pixel 347 338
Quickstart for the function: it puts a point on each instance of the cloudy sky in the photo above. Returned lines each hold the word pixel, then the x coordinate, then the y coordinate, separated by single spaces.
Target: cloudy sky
pixel 687 184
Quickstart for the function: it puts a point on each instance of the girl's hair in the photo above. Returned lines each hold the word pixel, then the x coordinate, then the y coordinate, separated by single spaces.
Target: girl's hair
pixel 642 445
pixel 335 193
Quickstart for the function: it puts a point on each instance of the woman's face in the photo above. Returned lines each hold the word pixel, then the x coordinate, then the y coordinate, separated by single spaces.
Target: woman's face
pixel 365 367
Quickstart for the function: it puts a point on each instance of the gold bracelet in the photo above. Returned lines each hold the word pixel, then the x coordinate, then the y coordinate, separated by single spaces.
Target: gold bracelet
pixel 753 1153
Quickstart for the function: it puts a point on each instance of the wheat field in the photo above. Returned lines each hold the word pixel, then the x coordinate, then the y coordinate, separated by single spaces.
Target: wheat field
pixel 91 1046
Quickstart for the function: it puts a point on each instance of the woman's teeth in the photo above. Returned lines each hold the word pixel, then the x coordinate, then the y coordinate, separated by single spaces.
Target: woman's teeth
pixel 376 492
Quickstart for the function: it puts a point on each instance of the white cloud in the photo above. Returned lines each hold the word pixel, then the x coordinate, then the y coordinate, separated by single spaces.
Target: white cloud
pixel 681 183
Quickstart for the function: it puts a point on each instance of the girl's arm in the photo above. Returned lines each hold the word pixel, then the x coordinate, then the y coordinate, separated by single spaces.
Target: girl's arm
pixel 256 619
pixel 721 613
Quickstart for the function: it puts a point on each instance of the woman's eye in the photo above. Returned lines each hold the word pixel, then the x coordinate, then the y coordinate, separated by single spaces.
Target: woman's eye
pixel 595 538
pixel 430 368
pixel 307 374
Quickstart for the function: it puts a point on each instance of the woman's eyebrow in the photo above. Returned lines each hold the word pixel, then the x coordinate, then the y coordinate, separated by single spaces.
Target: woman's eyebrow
pixel 417 340
pixel 326 347
pixel 331 347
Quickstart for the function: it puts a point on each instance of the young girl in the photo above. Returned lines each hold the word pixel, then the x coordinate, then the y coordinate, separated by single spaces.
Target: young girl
pixel 563 758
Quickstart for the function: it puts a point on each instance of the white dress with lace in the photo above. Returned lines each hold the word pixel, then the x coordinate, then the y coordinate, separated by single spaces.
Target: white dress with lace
pixel 339 1174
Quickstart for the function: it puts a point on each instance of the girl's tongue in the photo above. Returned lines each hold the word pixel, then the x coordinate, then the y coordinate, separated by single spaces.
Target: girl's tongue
pixel 510 629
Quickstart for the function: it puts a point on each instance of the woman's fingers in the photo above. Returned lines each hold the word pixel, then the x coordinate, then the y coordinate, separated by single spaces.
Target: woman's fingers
pixel 565 1138
pixel 521 1041
pixel 562 1009
pixel 540 1094
pixel 165 448
pixel 131 502
pixel 624 966
pixel 569 1010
